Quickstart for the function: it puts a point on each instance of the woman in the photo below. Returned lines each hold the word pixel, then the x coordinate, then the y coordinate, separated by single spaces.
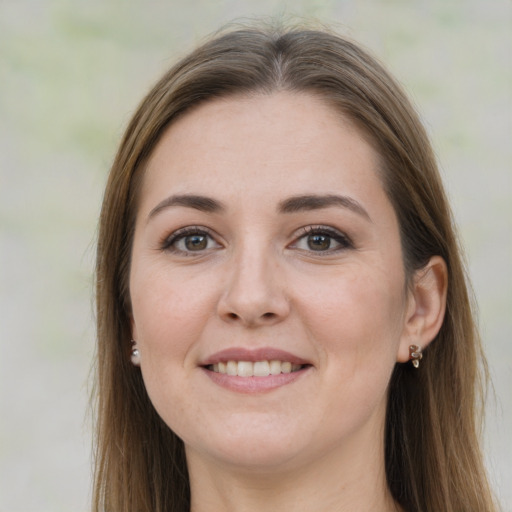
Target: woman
pixel 283 316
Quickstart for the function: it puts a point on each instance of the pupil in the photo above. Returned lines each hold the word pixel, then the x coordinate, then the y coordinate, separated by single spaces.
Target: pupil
pixel 195 242
pixel 319 242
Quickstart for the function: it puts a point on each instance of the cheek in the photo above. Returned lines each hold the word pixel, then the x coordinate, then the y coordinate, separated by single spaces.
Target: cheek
pixel 356 319
pixel 169 315
pixel 169 312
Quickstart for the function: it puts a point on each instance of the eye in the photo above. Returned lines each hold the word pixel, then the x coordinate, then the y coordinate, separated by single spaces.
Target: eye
pixel 190 240
pixel 322 239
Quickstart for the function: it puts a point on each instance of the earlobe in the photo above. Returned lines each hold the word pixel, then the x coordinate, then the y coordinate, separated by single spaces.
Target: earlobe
pixel 134 353
pixel 426 307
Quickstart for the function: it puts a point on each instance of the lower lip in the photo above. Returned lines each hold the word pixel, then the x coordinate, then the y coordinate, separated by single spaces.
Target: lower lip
pixel 254 384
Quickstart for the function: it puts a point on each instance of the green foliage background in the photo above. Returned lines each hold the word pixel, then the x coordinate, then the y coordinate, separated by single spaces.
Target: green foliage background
pixel 71 74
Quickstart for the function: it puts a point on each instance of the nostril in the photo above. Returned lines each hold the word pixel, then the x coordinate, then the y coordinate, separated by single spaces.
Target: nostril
pixel 269 315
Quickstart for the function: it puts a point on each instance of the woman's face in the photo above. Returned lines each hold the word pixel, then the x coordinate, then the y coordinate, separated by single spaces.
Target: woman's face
pixel 267 283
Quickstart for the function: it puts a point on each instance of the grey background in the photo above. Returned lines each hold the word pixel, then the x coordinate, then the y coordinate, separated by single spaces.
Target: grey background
pixel 71 74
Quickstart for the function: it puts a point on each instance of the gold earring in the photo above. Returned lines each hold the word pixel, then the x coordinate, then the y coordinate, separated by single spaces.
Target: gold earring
pixel 415 355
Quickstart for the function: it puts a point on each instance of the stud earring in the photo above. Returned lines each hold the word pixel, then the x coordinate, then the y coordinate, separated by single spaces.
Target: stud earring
pixel 415 355
pixel 135 354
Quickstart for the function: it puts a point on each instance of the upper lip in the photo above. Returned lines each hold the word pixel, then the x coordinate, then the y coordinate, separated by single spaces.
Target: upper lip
pixel 252 355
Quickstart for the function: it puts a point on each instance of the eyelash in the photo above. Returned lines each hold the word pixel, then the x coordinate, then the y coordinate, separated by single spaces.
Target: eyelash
pixel 169 243
pixel 342 239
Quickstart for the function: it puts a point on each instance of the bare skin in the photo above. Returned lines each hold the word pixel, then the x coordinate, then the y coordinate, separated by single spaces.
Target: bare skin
pixel 264 234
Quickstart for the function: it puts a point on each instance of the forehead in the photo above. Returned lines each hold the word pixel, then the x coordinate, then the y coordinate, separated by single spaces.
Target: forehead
pixel 282 143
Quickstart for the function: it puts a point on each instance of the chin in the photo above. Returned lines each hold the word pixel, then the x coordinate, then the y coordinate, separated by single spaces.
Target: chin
pixel 253 459
pixel 250 445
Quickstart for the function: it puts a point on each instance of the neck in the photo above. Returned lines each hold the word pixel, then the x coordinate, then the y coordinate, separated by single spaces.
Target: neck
pixel 349 479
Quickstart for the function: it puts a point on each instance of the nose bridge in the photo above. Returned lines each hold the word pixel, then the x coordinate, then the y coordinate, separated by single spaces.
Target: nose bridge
pixel 254 291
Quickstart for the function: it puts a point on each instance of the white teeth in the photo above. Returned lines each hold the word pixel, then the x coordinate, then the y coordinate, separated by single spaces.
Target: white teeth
pixel 286 367
pixel 231 368
pixel 261 369
pixel 256 369
pixel 275 367
pixel 245 369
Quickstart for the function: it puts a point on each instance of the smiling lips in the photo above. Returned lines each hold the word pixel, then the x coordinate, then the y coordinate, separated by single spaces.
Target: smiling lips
pixel 256 370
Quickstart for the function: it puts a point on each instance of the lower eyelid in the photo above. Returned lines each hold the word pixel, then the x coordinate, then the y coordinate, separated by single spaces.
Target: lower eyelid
pixel 334 234
pixel 338 246
pixel 169 241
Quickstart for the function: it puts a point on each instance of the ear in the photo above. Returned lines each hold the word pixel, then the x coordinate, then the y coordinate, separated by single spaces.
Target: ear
pixel 426 305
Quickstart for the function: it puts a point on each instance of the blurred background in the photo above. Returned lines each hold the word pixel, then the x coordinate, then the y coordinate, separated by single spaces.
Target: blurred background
pixel 71 75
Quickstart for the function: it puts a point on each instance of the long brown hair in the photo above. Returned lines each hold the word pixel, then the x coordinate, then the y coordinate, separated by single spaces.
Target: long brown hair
pixel 433 458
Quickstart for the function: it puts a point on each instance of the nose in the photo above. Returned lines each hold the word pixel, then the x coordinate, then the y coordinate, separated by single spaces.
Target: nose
pixel 254 293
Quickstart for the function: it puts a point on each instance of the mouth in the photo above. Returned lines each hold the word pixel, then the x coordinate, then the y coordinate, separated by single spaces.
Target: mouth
pixel 255 369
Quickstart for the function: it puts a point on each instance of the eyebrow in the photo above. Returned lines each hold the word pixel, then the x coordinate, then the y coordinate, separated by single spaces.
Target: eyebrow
pixel 317 202
pixel 290 205
pixel 201 203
